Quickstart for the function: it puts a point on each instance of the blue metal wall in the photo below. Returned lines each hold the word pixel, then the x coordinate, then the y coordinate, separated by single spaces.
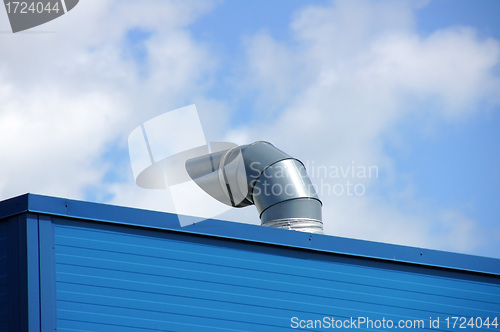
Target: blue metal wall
pixel 119 278
pixel 4 274
pixel 27 273
pixel 77 266
pixel 13 275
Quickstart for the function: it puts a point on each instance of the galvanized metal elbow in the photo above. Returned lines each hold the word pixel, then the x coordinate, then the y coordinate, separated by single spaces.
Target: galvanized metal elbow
pixel 261 174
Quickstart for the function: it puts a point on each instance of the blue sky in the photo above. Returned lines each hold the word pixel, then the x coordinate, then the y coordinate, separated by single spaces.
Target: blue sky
pixel 411 87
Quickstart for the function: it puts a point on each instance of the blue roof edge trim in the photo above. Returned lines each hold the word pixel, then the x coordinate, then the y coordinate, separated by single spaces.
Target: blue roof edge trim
pixel 246 232
pixel 13 206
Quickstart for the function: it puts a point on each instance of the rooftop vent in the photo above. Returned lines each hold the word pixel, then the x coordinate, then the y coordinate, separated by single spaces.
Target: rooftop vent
pixel 265 176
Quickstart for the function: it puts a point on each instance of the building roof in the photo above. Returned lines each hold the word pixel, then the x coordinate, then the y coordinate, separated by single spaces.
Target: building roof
pixel 245 232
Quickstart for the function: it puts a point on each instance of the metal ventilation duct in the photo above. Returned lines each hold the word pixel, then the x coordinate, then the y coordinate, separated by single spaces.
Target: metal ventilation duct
pixel 263 175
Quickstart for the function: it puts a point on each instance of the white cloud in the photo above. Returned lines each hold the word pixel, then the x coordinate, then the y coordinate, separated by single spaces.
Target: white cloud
pixel 458 230
pixel 68 93
pixel 49 139
pixel 453 65
pixel 354 71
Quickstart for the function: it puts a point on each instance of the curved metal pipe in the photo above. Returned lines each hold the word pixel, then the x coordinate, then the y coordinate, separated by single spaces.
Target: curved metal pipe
pixel 263 175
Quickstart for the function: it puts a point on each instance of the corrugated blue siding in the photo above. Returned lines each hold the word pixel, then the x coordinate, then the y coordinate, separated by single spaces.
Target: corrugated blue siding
pixel 117 278
pixel 4 274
